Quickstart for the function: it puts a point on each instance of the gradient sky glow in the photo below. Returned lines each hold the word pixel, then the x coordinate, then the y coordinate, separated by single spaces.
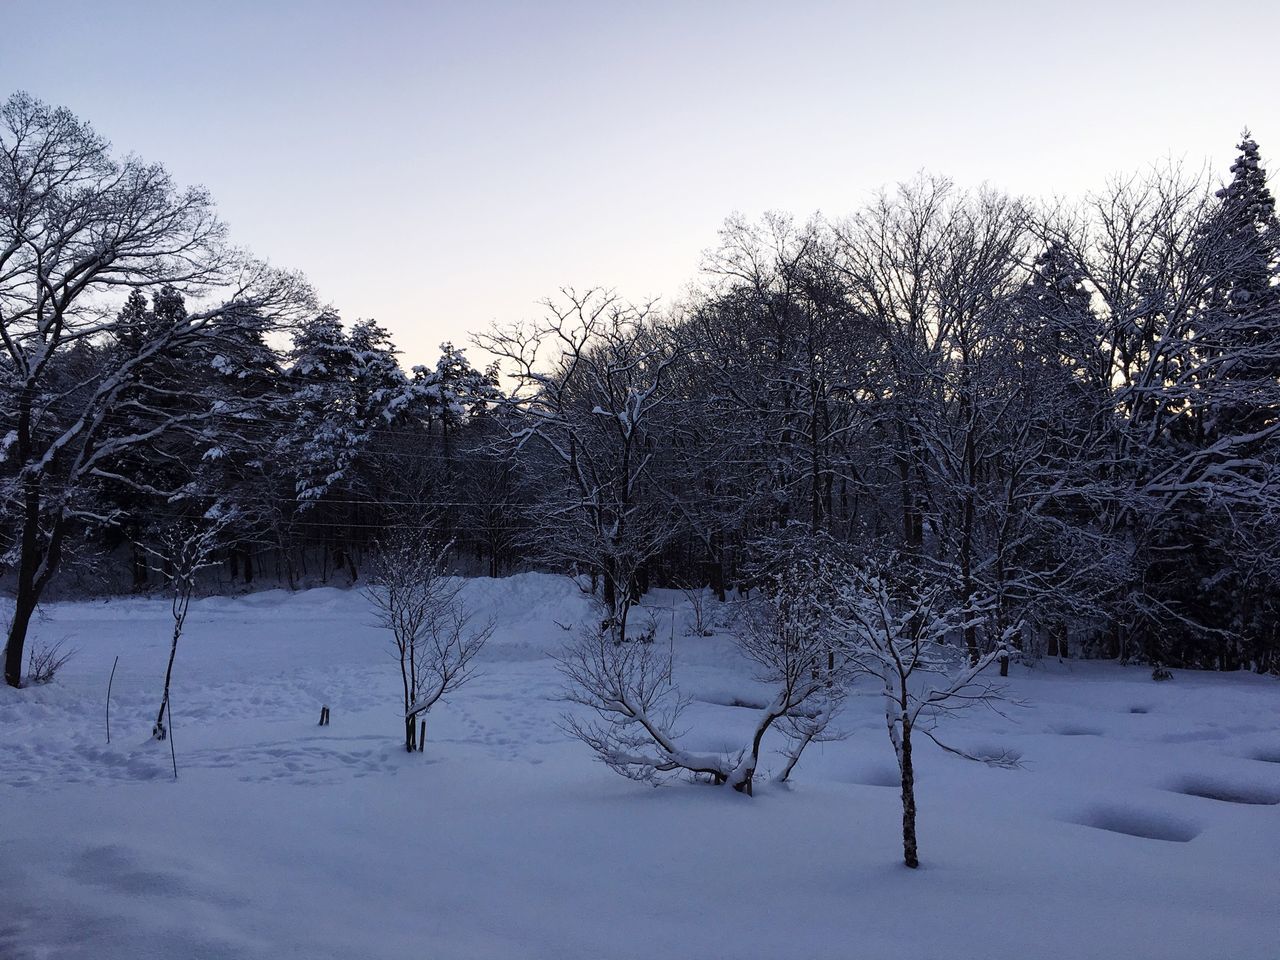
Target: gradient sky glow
pixel 440 166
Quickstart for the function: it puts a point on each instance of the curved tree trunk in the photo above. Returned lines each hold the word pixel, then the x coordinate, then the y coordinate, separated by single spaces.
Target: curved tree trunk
pixel 36 566
pixel 24 607
pixel 159 731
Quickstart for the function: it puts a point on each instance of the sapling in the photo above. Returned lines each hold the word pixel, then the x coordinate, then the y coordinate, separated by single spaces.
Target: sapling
pixel 184 549
pixel 898 635
pixel 697 599
pixel 435 637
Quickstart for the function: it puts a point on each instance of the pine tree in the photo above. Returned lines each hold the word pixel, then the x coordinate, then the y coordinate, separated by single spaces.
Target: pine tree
pixel 1244 304
pixel 318 445
pixel 1214 554
pixel 131 323
pixel 452 391
pixel 1059 559
pixel 344 390
pixel 163 388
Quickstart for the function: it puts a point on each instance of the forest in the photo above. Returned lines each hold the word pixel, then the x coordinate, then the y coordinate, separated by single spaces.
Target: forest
pixel 1060 420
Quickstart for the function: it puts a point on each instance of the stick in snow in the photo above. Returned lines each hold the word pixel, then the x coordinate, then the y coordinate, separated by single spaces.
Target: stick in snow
pixel 110 680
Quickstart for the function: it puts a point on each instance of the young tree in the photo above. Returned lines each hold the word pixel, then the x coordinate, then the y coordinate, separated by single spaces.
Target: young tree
pixel 183 550
pixel 898 636
pixel 630 689
pixel 436 637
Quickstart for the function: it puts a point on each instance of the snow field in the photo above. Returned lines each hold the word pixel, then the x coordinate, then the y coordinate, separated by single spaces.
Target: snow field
pixel 1143 822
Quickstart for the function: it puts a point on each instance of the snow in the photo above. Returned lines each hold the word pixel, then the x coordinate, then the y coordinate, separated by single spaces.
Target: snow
pixel 1143 821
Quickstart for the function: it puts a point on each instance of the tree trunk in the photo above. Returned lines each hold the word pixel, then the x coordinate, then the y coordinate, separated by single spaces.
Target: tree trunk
pixel 717 577
pixel 909 855
pixel 139 570
pixel 290 570
pixel 610 594
pixel 1115 645
pixel 35 567
pixel 24 607
pixel 159 731
pixel 639 584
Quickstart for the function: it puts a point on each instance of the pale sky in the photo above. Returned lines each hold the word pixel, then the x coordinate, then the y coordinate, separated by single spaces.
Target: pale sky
pixel 439 166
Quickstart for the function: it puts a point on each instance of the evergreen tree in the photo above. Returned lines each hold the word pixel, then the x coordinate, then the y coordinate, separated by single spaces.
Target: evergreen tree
pixel 452 391
pixel 1244 303
pixel 1215 560
pixel 130 329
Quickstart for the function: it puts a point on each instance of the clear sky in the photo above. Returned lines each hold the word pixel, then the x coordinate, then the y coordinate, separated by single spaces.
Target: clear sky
pixel 438 166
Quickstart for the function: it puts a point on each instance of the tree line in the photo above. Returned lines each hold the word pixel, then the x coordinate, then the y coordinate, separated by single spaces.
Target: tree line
pixel 1063 417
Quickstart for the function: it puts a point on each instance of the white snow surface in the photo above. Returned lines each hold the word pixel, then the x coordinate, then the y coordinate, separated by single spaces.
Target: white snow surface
pixel 504 839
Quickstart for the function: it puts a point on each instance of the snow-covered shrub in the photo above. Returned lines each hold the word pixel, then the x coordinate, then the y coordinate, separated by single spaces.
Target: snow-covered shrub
pixel 629 687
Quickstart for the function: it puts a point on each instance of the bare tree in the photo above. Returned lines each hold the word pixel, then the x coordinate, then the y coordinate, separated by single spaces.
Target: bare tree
pixel 697 599
pixel 592 408
pixel 899 637
pixel 436 638
pixel 184 549
pixel 76 226
pixel 629 687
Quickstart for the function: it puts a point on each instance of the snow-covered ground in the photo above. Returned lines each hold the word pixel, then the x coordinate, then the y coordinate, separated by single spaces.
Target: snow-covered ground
pixel 504 839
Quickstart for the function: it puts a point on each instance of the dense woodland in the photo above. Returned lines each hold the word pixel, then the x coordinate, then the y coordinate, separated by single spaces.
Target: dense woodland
pixel 1066 417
